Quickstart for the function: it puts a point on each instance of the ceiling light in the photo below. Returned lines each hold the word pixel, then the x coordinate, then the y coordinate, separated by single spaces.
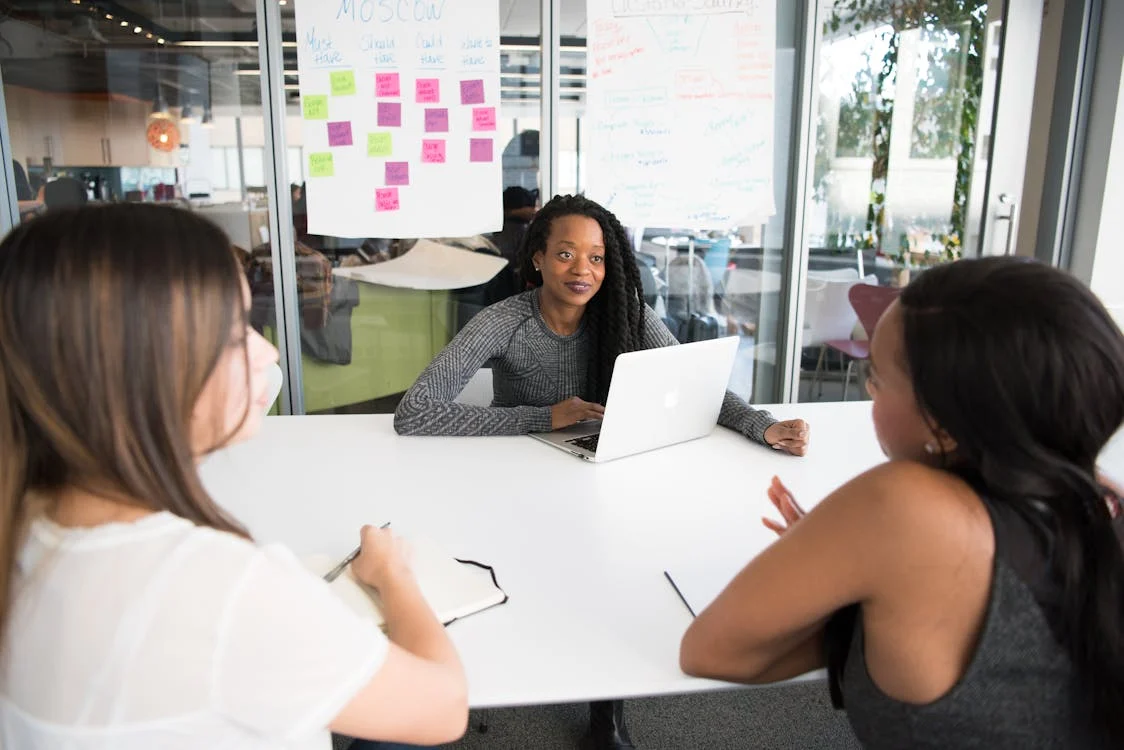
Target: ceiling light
pixel 160 40
pixel 109 16
pixel 208 120
pixel 187 114
pixel 124 23
pixel 148 35
pixel 137 30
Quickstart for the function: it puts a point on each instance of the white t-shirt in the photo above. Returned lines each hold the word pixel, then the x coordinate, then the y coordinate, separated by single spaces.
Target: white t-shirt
pixel 161 634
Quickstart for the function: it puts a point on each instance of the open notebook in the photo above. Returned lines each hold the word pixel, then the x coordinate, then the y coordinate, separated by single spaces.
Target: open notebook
pixel 453 588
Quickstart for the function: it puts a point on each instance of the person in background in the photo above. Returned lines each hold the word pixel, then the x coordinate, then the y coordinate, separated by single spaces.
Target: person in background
pixel 64 192
pixel 134 612
pixel 23 185
pixel 552 351
pixel 970 591
pixel 519 206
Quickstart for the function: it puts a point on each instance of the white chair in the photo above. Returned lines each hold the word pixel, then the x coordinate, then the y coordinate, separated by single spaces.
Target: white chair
pixel 275 377
pixel 478 390
pixel 827 311
pixel 828 314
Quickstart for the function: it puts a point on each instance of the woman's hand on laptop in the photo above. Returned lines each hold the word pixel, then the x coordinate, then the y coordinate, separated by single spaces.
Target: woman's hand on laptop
pixel 574 410
pixel 790 436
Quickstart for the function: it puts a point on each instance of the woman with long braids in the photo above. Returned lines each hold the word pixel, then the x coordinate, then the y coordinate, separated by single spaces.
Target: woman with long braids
pixel 970 591
pixel 552 351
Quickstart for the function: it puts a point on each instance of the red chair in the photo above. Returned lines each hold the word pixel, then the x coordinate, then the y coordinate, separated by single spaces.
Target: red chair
pixel 869 303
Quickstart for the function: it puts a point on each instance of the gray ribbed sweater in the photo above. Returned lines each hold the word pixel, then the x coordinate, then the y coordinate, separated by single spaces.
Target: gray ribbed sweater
pixel 533 368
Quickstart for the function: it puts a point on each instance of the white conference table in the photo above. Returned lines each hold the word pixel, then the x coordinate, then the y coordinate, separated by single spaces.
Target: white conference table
pixel 579 548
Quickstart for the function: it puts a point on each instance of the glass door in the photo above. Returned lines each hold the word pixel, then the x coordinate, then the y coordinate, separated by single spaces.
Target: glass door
pixel 908 111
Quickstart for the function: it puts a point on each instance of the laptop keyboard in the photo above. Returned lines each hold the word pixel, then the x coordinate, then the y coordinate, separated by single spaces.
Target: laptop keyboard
pixel 589 442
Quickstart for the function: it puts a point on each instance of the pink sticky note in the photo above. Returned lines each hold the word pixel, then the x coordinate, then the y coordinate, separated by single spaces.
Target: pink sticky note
pixel 437 120
pixel 483 118
pixel 390 114
pixel 339 133
pixel 433 151
pixel 386 84
pixel 427 90
pixel 386 199
pixel 397 173
pixel 472 92
pixel 480 149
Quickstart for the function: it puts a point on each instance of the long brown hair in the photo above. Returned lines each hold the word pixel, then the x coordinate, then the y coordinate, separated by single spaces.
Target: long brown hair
pixel 112 319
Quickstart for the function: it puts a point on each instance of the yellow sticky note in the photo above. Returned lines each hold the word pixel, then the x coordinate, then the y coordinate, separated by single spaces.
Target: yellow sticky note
pixel 343 82
pixel 378 144
pixel 321 165
pixel 315 107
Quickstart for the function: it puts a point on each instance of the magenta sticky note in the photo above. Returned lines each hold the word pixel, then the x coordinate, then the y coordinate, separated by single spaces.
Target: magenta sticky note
pixel 480 149
pixel 483 118
pixel 386 84
pixel 437 120
pixel 339 133
pixel 472 92
pixel 427 90
pixel 390 115
pixel 386 199
pixel 397 173
pixel 433 151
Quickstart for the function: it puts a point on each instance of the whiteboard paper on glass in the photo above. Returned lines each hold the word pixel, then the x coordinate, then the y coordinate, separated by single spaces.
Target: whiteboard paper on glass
pixel 430 265
pixel 399 105
pixel 681 99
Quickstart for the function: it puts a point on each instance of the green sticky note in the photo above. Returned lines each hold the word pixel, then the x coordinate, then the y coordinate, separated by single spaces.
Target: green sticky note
pixel 321 165
pixel 343 82
pixel 378 144
pixel 315 107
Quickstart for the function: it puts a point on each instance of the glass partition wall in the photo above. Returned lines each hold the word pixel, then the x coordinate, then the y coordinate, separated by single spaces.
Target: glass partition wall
pixel 882 142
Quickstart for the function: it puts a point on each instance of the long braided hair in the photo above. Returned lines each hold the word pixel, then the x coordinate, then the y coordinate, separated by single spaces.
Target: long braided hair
pixel 614 318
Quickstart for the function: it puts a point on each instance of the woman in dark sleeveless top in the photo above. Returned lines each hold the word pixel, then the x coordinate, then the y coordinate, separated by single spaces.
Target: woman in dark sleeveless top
pixel 969 592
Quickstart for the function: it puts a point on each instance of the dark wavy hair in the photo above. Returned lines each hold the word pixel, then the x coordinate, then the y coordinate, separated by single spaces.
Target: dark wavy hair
pixel 1024 368
pixel 614 318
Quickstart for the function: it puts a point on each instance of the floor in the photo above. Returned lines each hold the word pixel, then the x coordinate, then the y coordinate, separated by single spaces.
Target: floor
pixel 773 718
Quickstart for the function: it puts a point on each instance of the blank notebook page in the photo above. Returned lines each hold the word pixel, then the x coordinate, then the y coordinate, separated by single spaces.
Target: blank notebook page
pixel 452 589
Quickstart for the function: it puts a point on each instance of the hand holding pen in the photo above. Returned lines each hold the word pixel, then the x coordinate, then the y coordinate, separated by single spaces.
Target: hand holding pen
pixel 383 558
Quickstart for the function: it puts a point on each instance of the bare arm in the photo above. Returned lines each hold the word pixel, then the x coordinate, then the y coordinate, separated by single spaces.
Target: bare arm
pixel 419 695
pixel 853 547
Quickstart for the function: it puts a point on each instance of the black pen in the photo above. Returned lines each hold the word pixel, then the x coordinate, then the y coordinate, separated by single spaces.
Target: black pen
pixel 680 593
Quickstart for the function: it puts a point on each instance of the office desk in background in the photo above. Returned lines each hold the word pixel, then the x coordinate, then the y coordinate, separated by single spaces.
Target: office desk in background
pixel 579 548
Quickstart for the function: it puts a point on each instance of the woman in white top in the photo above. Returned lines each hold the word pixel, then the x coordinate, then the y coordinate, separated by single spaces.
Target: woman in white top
pixel 134 613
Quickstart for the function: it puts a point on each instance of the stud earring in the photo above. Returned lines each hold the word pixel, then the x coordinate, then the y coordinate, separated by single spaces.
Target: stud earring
pixel 930 448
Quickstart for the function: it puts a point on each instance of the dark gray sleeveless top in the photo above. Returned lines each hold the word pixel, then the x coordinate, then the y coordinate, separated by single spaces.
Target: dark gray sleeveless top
pixel 1019 689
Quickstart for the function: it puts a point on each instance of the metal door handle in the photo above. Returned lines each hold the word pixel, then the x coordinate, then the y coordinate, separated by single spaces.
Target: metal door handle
pixel 1011 218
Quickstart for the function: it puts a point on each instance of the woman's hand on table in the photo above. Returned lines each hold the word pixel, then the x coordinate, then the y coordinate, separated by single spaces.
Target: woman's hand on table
pixel 784 501
pixel 790 436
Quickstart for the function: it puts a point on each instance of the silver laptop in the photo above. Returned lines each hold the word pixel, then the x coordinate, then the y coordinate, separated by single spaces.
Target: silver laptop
pixel 658 397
